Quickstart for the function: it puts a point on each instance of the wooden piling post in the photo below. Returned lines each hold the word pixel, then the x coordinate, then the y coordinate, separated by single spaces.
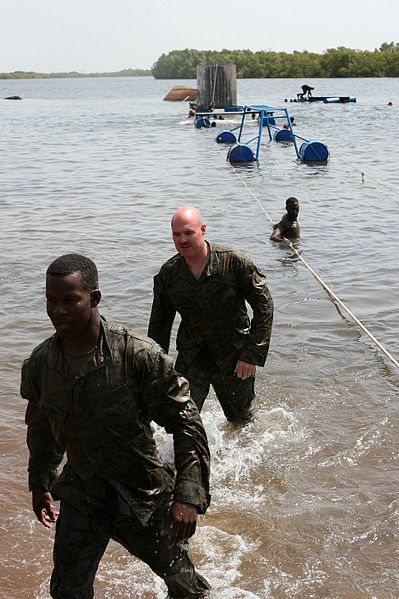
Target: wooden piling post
pixel 217 85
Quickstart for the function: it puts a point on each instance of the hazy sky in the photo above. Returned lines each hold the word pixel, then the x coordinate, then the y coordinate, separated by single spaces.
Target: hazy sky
pixel 109 35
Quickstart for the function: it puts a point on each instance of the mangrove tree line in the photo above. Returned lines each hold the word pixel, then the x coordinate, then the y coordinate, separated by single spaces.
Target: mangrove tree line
pixel 334 62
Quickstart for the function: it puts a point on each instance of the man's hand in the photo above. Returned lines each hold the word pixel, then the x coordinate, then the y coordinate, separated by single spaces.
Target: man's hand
pixel 244 370
pixel 43 507
pixel 181 522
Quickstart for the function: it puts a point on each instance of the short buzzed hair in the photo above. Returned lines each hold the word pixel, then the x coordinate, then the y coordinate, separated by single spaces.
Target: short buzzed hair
pixel 290 201
pixel 69 264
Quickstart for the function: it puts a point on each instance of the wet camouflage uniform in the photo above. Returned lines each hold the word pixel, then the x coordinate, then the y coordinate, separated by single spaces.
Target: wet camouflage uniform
pixel 115 484
pixel 215 330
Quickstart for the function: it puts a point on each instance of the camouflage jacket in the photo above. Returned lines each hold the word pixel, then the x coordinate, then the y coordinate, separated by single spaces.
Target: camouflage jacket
pixel 102 420
pixel 212 308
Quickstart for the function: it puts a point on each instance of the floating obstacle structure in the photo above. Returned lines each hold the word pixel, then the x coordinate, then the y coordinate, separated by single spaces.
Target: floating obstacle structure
pixel 181 93
pixel 217 96
pixel 325 99
pixel 268 117
pixel 217 85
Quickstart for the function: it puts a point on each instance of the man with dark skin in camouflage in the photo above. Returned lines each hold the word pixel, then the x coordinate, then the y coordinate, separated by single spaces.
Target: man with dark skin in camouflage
pixel 209 285
pixel 93 389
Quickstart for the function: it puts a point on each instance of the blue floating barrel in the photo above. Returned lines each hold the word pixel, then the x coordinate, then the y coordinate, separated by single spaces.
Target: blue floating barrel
pixel 226 137
pixel 283 135
pixel 240 153
pixel 202 121
pixel 313 151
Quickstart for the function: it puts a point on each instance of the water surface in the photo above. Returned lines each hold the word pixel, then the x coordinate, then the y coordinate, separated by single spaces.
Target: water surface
pixel 305 498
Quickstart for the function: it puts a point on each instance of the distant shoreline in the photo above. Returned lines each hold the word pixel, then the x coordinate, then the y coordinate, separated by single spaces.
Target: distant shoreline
pixel 338 62
pixel 75 74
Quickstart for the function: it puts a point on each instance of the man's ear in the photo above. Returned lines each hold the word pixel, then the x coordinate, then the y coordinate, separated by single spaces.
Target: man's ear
pixel 95 298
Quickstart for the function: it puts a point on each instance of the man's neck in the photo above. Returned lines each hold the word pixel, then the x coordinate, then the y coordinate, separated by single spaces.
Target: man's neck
pixel 88 340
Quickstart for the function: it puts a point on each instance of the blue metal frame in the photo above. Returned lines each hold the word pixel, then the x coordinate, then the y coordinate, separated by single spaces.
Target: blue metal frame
pixel 266 114
pixel 265 111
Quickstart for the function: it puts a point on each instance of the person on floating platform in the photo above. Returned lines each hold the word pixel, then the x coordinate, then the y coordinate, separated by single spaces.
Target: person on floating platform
pixel 306 90
pixel 288 226
pixel 218 345
pixel 93 389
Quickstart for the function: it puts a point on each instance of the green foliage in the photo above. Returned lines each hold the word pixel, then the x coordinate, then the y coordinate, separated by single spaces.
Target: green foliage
pixel 391 47
pixel 73 74
pixel 182 64
pixel 334 62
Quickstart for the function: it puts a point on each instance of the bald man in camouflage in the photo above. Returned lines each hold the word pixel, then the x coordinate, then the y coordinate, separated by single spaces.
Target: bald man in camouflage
pixel 218 345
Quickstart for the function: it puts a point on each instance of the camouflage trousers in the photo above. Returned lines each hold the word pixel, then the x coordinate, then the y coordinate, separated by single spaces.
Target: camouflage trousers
pixel 235 395
pixel 81 540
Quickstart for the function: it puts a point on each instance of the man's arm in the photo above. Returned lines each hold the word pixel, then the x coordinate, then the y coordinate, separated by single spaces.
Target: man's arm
pixel 167 398
pixel 256 293
pixel 277 234
pixel 44 458
pixel 45 455
pixel 162 316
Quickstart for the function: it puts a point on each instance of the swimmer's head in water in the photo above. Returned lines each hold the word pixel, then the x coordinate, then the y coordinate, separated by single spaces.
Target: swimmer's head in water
pixel 292 206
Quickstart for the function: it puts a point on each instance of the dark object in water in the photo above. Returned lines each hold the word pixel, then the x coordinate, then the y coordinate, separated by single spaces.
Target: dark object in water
pixel 180 93
pixel 13 98
pixel 327 99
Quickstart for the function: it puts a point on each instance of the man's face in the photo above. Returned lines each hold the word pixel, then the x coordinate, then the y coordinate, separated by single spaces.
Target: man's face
pixel 188 236
pixel 69 304
pixel 293 210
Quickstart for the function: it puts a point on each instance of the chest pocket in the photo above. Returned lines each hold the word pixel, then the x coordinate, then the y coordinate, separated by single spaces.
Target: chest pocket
pixel 220 293
pixel 119 414
pixel 55 397
pixel 209 293
pixel 118 400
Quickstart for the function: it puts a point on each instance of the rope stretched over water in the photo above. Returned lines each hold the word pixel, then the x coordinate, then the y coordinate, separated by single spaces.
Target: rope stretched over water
pixel 334 297
pixel 365 174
